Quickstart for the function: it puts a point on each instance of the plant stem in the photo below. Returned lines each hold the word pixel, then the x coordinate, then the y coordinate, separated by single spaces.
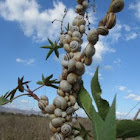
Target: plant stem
pixel 37 88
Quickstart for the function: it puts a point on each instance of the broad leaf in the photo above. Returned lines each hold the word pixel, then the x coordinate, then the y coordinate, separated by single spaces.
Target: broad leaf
pixel 102 105
pixel 128 128
pixel 3 100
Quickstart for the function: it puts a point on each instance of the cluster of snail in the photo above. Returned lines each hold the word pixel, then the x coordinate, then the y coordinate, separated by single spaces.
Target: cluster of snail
pixel 64 106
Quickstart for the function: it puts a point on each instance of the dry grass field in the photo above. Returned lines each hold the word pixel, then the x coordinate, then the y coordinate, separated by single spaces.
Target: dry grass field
pixel 21 127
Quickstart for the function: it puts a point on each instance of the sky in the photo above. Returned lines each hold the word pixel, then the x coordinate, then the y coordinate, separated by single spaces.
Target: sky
pixel 27 24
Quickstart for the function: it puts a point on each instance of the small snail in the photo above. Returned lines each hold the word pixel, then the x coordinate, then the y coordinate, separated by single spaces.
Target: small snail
pixel 102 30
pixel 66 129
pixel 93 37
pixel 57 122
pixel 50 109
pixel 90 50
pixel 74 45
pixel 72 78
pixel 111 20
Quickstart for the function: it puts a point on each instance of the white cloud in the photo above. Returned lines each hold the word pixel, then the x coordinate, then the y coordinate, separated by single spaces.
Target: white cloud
pixel 136 8
pixel 107 67
pixel 131 36
pixel 122 88
pixel 127 27
pixel 25 101
pixel 27 62
pixel 34 22
pixel 133 97
pixel 120 113
pixel 117 61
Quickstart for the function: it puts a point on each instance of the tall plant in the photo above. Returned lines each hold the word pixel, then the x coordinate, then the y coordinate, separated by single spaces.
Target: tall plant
pixel 71 89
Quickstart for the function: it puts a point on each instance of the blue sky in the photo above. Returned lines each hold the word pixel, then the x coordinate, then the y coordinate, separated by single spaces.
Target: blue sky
pixel 26 25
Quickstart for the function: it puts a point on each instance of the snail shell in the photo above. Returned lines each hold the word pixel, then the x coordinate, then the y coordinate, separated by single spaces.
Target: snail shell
pixel 102 30
pixel 90 50
pixel 74 45
pixel 75 22
pixel 52 128
pixel 57 122
pixel 80 66
pixel 70 33
pixel 67 98
pixel 59 136
pixel 75 39
pixel 67 39
pixel 71 65
pixel 117 6
pixel 80 1
pixel 85 4
pixel 42 104
pixel 67 48
pixel 43 97
pixel 70 110
pixel 88 61
pixel 58 112
pixel 72 78
pixel 60 102
pixel 67 57
pixel 72 99
pixel 68 117
pixel 76 87
pixel 76 34
pixel 111 20
pixel 64 64
pixel 82 29
pixel 79 8
pixel 64 114
pixel 81 22
pixel 78 138
pixel 50 109
pixel 77 55
pixel 52 116
pixel 74 120
pixel 74 28
pixel 66 129
pixel 65 86
pixel 62 37
pixel 64 74
pixel 60 92
pixel 93 37
pixel 52 138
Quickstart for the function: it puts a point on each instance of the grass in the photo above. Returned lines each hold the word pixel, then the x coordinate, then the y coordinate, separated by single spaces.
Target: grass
pixel 22 127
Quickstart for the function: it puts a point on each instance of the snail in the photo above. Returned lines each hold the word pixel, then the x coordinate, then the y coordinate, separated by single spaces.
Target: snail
pixel 79 8
pixel 76 34
pixel 57 122
pixel 52 128
pixel 67 57
pixel 52 116
pixel 88 61
pixel 67 48
pixel 74 45
pixel 72 78
pixel 59 136
pixel 90 50
pixel 58 112
pixel 42 104
pixel 70 110
pixel 71 65
pixel 85 4
pixel 117 6
pixel 64 74
pixel 64 114
pixel 60 102
pixel 64 63
pixel 82 29
pixel 93 37
pixel 60 92
pixel 75 39
pixel 66 129
pixel 111 20
pixel 67 98
pixel 78 138
pixel 50 109
pixel 74 28
pixel 43 97
pixel 102 30
pixel 72 99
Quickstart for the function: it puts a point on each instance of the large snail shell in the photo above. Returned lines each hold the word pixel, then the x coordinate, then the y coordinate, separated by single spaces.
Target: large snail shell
pixel 80 66
pixel 81 22
pixel 88 61
pixel 77 55
pixel 70 110
pixel 75 22
pixel 102 30
pixel 52 128
pixel 71 65
pixel 72 99
pixel 64 63
pixel 74 45
pixel 85 4
pixel 57 122
pixel 82 29
pixel 60 102
pixel 72 78
pixel 66 129
pixel 93 37
pixel 75 39
pixel 50 109
pixel 111 20
pixel 67 39
pixel 90 50
pixel 78 138
pixel 43 97
pixel 58 112
pixel 117 6
pixel 59 136
pixel 79 8
pixel 67 48
pixel 65 86
pixel 60 92
pixel 42 104
pixel 74 28
pixel 76 34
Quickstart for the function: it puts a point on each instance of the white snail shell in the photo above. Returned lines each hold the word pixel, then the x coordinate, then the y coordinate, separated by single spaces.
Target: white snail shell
pixel 67 48
pixel 72 99
pixel 74 45
pixel 93 37
pixel 59 136
pixel 71 65
pixel 78 138
pixel 43 97
pixel 52 128
pixel 66 129
pixel 111 20
pixel 50 109
pixel 85 4
pixel 74 120
pixel 60 102
pixel 70 110
pixel 68 117
pixel 76 34
pixel 102 30
pixel 90 50
pixel 75 22
pixel 79 17
pixel 82 29
pixel 75 39
pixel 70 33
pixel 58 112
pixel 74 28
pixel 57 122
pixel 64 114
pixel 79 8
pixel 77 55
pixel 72 78
pixel 88 61
pixel 42 104
pixel 65 86
pixel 117 6
pixel 67 98
pixel 68 56
pixel 64 74
pixel 52 138
pixel 64 63
pixel 60 92
pixel 52 116
pixel 67 39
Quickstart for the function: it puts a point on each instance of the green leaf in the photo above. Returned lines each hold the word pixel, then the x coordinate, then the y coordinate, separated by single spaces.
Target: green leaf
pixel 43 78
pixel 128 128
pixel 109 127
pixel 40 82
pixel 6 94
pixel 49 53
pixel 12 93
pixel 102 105
pixel 46 47
pixel 54 86
pixel 3 100
pixel 50 42
pixel 56 53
